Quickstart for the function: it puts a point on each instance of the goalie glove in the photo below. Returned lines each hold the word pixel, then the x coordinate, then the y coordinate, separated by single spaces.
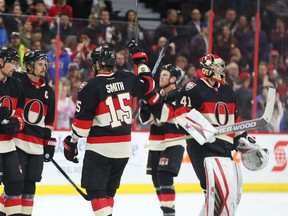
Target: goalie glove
pixel 195 124
pixel 70 150
pixel 49 149
pixel 254 157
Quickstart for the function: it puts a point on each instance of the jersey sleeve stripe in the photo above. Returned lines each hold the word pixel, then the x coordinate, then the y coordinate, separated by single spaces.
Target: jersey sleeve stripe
pixel 83 124
pixel 108 139
pixel 151 84
pixel 30 138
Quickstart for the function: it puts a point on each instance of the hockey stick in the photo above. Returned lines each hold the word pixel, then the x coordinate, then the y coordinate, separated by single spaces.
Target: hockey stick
pixel 159 59
pixel 164 49
pixel 245 125
pixel 85 196
pixel 136 21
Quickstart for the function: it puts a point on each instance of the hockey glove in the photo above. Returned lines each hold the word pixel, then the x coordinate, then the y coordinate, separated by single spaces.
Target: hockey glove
pixel 4 114
pixel 236 139
pixel 152 98
pixel 254 157
pixel 138 54
pixel 13 125
pixel 49 149
pixel 70 150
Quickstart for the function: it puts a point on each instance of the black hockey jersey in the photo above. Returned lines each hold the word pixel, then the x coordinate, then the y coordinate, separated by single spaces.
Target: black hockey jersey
pixel 104 111
pixel 38 114
pixel 216 104
pixel 11 96
pixel 162 119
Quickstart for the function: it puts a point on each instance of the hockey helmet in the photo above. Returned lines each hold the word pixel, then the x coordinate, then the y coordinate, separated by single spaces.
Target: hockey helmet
pixel 213 66
pixel 9 54
pixel 104 55
pixel 174 71
pixel 34 55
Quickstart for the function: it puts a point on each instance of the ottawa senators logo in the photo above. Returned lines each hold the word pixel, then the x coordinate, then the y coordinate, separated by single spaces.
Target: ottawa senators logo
pixel 33 112
pixel 82 86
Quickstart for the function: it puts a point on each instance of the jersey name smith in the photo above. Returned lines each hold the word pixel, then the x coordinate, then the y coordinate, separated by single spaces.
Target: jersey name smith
pixel 115 87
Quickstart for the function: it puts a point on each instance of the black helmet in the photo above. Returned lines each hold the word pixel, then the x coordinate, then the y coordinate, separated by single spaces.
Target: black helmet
pixel 104 55
pixel 174 71
pixel 8 53
pixel 31 56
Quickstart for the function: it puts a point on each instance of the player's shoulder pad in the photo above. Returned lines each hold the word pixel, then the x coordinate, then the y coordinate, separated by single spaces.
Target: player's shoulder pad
pixel 173 95
pixel 18 75
pixel 49 88
pixel 18 78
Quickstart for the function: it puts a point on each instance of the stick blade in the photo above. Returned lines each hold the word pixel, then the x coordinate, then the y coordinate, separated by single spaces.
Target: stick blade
pixel 267 116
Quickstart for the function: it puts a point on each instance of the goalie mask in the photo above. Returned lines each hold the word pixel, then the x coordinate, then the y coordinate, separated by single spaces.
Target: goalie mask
pixel 214 67
pixel 104 55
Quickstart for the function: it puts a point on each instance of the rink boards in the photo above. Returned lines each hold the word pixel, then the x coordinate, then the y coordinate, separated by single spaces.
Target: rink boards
pixel 273 178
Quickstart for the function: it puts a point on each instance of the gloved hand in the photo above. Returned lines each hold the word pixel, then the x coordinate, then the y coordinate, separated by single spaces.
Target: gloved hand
pixel 152 98
pixel 137 53
pixel 70 150
pixel 237 138
pixel 11 127
pixel 4 113
pixel 49 149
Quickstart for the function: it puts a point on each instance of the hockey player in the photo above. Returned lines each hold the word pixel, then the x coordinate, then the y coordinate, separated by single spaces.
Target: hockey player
pixel 34 143
pixel 220 177
pixel 164 164
pixel 104 115
pixel 11 122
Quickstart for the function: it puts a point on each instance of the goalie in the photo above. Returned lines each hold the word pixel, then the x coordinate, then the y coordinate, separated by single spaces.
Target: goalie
pixel 202 105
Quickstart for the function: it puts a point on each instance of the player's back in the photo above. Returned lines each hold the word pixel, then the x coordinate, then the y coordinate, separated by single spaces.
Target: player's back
pixel 105 103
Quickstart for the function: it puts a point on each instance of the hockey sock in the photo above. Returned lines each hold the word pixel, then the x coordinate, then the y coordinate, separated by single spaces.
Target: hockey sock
pixel 158 192
pixel 101 207
pixel 27 204
pixel 110 201
pixel 13 205
pixel 167 191
pixel 2 208
pixel 168 197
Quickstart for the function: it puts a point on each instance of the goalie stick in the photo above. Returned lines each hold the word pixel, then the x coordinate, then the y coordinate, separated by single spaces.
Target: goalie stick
pixel 85 196
pixel 159 59
pixel 245 125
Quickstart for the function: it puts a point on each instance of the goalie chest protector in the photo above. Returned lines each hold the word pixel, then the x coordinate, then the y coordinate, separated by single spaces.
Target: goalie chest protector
pixel 217 104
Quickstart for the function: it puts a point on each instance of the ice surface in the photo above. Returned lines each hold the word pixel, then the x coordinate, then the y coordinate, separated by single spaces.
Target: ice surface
pixel 252 204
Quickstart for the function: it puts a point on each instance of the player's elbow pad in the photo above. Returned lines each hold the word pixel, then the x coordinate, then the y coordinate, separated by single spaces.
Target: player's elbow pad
pixel 144 70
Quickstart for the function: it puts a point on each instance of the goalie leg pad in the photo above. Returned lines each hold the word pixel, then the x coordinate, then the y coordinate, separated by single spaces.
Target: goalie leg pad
pixel 222 186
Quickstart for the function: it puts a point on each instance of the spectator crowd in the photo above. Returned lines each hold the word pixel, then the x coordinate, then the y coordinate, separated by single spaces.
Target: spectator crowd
pixel 34 24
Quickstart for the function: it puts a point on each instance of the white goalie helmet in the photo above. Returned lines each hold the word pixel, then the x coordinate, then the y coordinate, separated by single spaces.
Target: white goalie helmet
pixel 213 66
pixel 255 160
